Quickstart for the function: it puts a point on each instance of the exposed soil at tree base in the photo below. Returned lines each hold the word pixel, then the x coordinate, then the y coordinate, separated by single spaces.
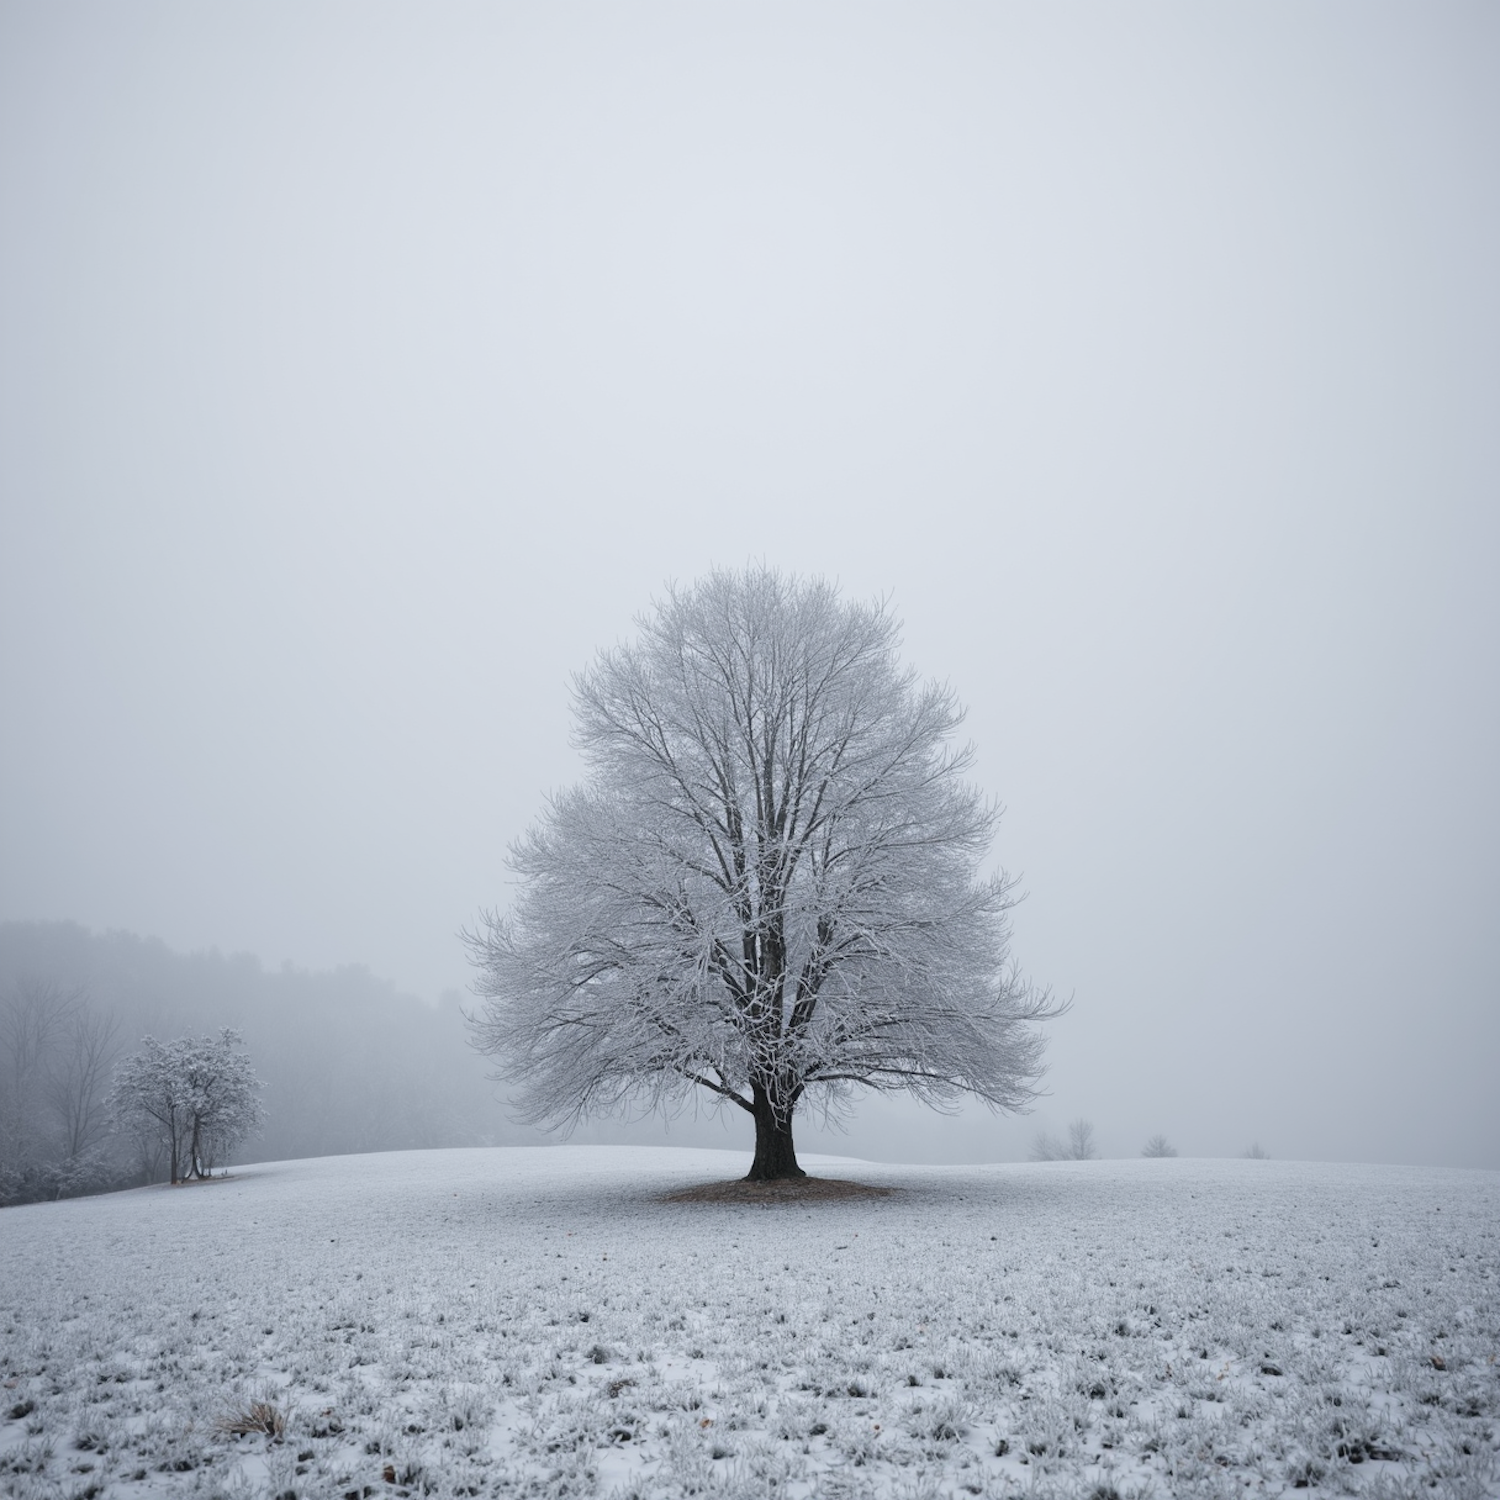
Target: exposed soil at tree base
pixel 781 1190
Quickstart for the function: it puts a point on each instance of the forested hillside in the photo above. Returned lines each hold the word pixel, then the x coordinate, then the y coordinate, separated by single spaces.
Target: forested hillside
pixel 350 1063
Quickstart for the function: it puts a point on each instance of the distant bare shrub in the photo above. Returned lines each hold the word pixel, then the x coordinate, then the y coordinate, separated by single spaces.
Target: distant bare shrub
pixel 1257 1152
pixel 1047 1148
pixel 1158 1145
pixel 1079 1145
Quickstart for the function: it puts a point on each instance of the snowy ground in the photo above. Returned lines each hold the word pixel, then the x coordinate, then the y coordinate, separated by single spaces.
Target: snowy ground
pixel 519 1322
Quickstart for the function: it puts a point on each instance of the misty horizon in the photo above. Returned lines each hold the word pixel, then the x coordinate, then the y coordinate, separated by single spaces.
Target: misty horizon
pixel 450 1096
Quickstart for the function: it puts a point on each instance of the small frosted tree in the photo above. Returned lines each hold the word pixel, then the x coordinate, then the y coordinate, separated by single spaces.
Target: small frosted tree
pixel 768 887
pixel 1158 1145
pixel 198 1097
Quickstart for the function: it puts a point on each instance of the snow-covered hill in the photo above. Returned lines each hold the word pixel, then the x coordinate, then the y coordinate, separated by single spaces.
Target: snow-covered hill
pixel 537 1321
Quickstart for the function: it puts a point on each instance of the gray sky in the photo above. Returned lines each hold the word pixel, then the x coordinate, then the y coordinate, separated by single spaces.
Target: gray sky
pixel 363 368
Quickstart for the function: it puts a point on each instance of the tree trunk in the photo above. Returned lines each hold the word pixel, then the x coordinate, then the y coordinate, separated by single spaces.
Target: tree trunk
pixel 775 1156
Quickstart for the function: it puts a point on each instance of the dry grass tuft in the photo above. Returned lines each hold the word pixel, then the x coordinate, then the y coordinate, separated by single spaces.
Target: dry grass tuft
pixel 785 1190
pixel 258 1417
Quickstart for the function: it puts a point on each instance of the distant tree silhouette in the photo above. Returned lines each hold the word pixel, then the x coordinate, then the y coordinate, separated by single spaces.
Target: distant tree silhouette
pixel 55 1053
pixel 1079 1145
pixel 1081 1141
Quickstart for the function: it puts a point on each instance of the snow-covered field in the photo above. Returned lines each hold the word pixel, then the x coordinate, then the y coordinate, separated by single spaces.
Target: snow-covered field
pixel 518 1322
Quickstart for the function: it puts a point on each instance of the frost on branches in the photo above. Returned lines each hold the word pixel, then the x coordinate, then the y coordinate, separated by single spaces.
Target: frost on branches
pixel 767 888
pixel 196 1098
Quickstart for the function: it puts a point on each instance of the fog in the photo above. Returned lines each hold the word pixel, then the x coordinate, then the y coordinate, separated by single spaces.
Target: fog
pixel 365 368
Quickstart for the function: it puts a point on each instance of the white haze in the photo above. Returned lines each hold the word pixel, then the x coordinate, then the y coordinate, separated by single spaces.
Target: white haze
pixel 364 368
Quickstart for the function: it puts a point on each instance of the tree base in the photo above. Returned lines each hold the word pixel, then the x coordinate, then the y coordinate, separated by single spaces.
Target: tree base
pixel 779 1190
pixel 775 1155
pixel 796 1174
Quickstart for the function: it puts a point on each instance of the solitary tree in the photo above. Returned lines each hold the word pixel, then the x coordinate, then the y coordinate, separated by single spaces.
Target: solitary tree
pixel 768 886
pixel 1158 1145
pixel 198 1096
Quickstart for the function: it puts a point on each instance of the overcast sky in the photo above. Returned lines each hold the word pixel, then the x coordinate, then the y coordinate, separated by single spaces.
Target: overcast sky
pixel 364 368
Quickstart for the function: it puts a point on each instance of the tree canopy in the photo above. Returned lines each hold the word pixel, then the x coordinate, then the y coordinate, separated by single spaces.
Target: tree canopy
pixel 768 888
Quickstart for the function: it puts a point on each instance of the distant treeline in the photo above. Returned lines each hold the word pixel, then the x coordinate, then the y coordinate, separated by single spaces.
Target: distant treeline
pixel 350 1063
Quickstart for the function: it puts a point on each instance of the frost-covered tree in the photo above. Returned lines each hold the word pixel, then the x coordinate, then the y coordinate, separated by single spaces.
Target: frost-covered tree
pixel 768 887
pixel 197 1096
pixel 1158 1145
pixel 149 1099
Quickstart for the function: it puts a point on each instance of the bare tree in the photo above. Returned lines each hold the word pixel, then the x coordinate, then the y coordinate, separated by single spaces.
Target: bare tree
pixel 77 1082
pixel 1081 1141
pixel 1158 1145
pixel 1256 1152
pixel 1079 1145
pixel 768 887
pixel 33 1017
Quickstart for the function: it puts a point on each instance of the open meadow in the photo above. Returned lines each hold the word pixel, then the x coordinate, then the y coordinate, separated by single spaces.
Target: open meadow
pixel 512 1322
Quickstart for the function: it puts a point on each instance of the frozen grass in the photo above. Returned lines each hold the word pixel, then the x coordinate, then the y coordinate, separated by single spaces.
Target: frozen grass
pixel 538 1322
